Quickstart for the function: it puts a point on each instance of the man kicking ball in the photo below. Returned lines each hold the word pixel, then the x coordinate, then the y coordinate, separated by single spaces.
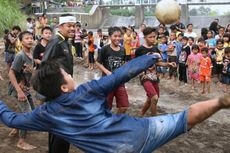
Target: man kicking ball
pixel 80 115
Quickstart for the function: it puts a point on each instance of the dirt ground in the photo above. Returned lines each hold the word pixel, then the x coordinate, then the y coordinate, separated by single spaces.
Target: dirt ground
pixel 211 136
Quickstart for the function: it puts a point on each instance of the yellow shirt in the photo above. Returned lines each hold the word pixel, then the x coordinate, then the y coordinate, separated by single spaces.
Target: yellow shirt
pixel 226 44
pixel 219 55
pixel 127 44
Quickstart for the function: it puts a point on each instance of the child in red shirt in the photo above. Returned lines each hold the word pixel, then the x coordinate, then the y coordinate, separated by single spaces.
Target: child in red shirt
pixel 205 70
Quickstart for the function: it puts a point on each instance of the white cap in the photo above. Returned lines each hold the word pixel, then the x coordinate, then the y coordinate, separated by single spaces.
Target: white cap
pixel 66 19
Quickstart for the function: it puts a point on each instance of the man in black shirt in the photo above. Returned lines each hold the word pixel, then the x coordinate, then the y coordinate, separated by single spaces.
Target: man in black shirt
pixel 59 49
pixel 40 47
pixel 111 57
pixel 180 26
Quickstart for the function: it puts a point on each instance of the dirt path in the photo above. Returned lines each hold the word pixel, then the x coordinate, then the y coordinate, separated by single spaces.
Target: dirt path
pixel 212 136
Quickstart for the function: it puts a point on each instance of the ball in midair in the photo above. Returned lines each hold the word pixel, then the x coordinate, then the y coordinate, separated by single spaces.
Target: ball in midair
pixel 168 11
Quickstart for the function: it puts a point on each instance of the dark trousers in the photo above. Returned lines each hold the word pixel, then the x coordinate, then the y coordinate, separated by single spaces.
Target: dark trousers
pixel 57 145
pixel 183 72
pixel 78 48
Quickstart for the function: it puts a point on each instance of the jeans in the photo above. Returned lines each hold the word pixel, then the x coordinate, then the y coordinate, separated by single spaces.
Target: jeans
pixel 164 128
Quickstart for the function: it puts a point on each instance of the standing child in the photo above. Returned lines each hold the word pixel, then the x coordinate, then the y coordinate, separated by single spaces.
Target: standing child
pixel 135 43
pixel 226 69
pixel 226 39
pixel 185 52
pixel 127 44
pixel 91 50
pixel 193 63
pixel 163 47
pixel 219 57
pixel 205 70
pixel 19 75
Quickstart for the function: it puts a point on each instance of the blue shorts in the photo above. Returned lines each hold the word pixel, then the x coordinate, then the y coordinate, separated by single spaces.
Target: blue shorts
pixel 163 129
pixel 225 80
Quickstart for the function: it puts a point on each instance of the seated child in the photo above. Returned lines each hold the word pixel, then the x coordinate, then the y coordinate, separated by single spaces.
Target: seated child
pixel 79 115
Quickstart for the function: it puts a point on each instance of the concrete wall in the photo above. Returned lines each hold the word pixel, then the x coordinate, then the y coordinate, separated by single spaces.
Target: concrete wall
pixel 91 20
pixel 98 16
pixel 204 21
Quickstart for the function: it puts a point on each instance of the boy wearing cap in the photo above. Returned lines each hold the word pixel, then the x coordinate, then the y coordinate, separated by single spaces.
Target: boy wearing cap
pixel 59 49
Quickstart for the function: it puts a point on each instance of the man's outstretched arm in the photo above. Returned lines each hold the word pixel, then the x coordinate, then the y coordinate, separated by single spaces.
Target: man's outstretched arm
pixel 24 121
pixel 123 74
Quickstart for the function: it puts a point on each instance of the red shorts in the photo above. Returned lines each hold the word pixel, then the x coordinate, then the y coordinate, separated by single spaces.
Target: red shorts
pixel 121 97
pixel 151 89
pixel 205 78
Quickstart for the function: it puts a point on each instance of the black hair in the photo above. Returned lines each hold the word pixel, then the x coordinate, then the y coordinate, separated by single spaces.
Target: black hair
pixel 148 30
pixel 28 19
pixel 67 14
pixel 214 27
pixel 227 35
pixel 47 80
pixel 227 50
pixel 6 31
pixel 99 30
pixel 16 28
pixel 180 34
pixel 200 40
pixel 111 30
pixel 46 28
pixel 22 34
pixel 191 38
pixel 173 27
pixel 123 29
pixel 220 41
pixel 195 47
pixel 185 38
pixel 204 32
pixel 84 30
pixel 189 25
pixel 205 49
pixel 90 33
pixel 78 24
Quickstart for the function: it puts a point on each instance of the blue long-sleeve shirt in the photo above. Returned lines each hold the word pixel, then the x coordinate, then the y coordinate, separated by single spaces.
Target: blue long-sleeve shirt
pixel 81 117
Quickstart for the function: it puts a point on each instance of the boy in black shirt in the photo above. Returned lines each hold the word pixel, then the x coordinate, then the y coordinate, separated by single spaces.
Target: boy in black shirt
pixel 40 47
pixel 110 58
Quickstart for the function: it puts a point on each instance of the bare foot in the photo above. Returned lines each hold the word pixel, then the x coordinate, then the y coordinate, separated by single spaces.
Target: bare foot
pixel 224 101
pixel 13 133
pixel 203 92
pixel 25 146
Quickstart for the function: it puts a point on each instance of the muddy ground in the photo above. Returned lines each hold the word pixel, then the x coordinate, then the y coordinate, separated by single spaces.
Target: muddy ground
pixel 211 136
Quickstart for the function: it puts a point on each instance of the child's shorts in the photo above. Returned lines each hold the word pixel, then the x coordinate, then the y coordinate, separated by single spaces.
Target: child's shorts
pixel 164 128
pixel 121 97
pixel 151 88
pixel 205 78
pixel 219 68
pixel 225 80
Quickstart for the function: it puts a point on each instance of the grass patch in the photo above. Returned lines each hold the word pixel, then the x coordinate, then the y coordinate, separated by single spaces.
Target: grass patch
pixel 11 15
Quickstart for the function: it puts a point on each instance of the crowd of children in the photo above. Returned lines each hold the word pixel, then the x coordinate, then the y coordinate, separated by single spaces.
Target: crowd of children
pixel 196 60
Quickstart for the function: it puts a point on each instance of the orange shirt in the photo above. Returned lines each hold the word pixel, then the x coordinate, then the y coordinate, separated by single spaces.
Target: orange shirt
pixel 205 66
pixel 91 44
pixel 127 44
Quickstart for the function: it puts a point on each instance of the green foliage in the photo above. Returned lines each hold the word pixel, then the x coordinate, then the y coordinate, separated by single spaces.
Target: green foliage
pixel 87 8
pixel 226 13
pixel 10 15
pixel 203 11
pixel 123 12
